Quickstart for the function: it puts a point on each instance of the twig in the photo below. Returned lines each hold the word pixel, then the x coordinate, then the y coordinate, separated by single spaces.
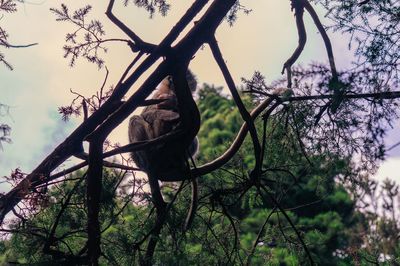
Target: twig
pixel 236 144
pixel 260 232
pixel 20 46
pixel 277 204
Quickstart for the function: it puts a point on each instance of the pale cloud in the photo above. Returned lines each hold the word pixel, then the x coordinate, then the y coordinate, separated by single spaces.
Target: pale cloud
pixel 389 169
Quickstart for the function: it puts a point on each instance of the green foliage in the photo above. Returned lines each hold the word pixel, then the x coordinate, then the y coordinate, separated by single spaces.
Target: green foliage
pixel 220 122
pixel 373 27
pixel 65 213
pixel 233 219
pixel 322 210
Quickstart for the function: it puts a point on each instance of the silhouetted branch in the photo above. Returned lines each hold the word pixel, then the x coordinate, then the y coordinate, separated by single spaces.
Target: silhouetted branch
pixel 301 31
pixel 94 184
pixel 325 37
pixel 277 204
pixel 139 44
pixel 239 103
pixel 260 233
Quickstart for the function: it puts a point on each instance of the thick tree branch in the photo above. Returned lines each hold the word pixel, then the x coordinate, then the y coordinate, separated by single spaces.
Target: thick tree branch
pixel 73 143
pixel 94 184
pixel 180 54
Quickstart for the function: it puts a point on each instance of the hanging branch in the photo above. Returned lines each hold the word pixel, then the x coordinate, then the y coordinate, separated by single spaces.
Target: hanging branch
pixel 301 31
pixel 260 233
pixel 325 37
pixel 93 194
pixel 239 103
pixel 299 6
pixel 162 210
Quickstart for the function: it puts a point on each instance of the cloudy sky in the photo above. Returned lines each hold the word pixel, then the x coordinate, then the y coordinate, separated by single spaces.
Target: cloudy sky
pixel 42 79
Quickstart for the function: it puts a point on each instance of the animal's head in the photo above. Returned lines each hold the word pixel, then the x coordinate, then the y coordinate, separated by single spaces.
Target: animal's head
pixel 168 84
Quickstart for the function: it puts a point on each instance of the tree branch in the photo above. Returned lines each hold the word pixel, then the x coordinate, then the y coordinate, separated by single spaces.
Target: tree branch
pixel 325 37
pixel 139 44
pixel 73 143
pixel 301 31
pixel 239 103
pixel 237 143
pixel 93 193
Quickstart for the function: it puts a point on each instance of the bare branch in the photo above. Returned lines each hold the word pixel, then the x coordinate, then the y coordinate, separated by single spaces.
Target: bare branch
pixel 301 31
pixel 242 109
pixel 325 37
pixel 139 44
pixel 94 187
pixel 237 143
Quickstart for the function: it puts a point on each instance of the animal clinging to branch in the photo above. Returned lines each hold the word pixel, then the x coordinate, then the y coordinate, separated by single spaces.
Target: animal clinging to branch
pixel 175 113
pixel 165 161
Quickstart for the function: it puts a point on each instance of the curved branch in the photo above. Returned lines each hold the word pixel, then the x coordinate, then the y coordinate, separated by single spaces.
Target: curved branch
pixel 220 161
pixel 239 103
pixel 301 31
pixel 237 143
pixel 139 44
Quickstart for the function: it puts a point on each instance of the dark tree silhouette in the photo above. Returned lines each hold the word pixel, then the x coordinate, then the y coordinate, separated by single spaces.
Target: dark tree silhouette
pixel 323 106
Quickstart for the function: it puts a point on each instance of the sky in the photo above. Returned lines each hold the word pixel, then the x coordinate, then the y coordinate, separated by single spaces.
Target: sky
pixel 41 79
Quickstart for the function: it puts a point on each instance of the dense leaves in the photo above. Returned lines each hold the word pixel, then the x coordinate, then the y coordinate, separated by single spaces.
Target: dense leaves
pixel 374 28
pixel 233 221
